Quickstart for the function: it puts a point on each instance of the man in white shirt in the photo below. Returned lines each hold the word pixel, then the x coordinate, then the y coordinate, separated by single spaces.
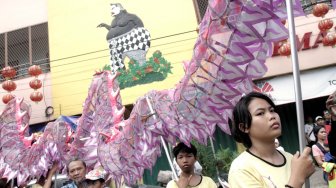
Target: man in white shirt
pixel 310 137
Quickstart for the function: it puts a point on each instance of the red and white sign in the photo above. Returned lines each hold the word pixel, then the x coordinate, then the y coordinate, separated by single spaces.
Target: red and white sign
pixel 314 83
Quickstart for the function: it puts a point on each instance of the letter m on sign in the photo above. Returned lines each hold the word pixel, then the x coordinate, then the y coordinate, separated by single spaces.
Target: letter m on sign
pixel 262 87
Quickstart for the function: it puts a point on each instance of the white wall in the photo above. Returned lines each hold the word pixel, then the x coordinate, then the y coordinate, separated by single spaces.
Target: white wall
pixel 23 90
pixel 15 14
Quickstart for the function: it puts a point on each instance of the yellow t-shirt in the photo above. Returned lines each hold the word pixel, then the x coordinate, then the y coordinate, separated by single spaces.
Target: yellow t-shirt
pixel 36 186
pixel 248 170
pixel 206 182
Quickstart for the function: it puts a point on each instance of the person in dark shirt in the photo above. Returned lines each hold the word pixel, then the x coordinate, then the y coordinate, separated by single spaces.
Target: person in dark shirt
pixel 331 106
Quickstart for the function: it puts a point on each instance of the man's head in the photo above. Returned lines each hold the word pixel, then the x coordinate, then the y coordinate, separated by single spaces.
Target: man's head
pixel 319 120
pixel 96 178
pixel 326 115
pixel 76 169
pixel 116 8
pixel 185 157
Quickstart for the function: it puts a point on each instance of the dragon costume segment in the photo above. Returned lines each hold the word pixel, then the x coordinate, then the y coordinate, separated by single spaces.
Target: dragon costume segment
pixel 235 38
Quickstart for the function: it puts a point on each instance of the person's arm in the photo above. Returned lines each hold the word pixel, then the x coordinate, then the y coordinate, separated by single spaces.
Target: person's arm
pixel 105 25
pixel 307 137
pixel 319 160
pixel 302 168
pixel 51 173
pixel 317 154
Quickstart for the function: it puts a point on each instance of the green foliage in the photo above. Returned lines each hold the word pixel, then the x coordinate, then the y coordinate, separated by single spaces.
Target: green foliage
pixel 224 159
pixel 155 69
pixel 207 159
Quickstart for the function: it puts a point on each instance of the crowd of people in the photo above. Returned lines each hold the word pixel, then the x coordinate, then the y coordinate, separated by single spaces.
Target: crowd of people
pixel 264 163
pixel 317 137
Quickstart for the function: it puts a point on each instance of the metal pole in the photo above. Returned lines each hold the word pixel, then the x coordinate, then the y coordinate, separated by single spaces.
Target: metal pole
pixel 296 76
pixel 214 153
pixel 163 141
pixel 55 181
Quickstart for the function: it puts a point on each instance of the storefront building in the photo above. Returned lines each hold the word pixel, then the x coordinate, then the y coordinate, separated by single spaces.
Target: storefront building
pixel 317 65
pixel 74 48
pixel 24 42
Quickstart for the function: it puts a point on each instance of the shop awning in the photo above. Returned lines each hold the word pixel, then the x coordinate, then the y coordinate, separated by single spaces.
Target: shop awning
pixel 314 83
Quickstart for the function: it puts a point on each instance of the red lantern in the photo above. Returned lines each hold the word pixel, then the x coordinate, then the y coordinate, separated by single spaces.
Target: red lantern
pixel 8 72
pixel 6 98
pixel 283 42
pixel 35 70
pixel 9 85
pixel 325 25
pixel 329 40
pixel 284 22
pixel 35 84
pixel 285 49
pixel 36 96
pixel 212 58
pixel 320 9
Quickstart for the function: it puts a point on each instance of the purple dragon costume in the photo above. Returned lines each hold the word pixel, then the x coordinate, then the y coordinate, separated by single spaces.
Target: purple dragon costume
pixel 235 38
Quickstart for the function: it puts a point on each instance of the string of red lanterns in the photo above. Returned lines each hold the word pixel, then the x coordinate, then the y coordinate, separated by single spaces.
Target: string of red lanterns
pixel 9 85
pixel 320 10
pixel 285 49
pixel 35 70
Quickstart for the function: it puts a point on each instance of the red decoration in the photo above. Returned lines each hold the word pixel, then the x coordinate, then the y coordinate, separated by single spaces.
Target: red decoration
pixel 35 70
pixel 6 98
pixel 320 10
pixel 329 40
pixel 156 60
pixel 284 22
pixel 35 84
pixel 149 69
pixel 325 25
pixel 283 42
pixel 212 58
pixel 8 72
pixel 9 85
pixel 36 96
pixel 285 49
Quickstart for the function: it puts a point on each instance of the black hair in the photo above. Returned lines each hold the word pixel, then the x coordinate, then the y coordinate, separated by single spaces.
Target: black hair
pixel 316 129
pixel 182 148
pixel 101 180
pixel 117 5
pixel 75 159
pixel 3 182
pixel 241 115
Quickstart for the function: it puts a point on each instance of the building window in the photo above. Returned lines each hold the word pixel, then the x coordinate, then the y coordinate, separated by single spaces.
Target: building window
pixel 307 5
pixel 2 51
pixel 200 9
pixel 25 47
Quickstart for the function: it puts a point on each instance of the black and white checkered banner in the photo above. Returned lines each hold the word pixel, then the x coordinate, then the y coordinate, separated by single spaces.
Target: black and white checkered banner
pixel 136 39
